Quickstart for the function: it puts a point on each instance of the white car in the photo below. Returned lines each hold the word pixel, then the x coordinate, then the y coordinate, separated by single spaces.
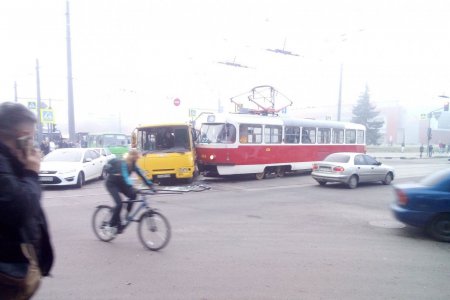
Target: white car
pixel 106 153
pixel 72 166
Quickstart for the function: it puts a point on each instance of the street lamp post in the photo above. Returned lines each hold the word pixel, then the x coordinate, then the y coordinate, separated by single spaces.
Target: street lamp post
pixel 436 113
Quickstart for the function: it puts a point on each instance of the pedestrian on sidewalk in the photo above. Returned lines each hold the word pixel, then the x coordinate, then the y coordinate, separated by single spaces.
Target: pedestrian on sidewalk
pixel 430 150
pixel 421 150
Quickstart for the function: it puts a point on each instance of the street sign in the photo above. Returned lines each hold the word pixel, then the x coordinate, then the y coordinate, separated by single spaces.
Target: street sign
pixel 47 116
pixel 176 101
pixel 192 112
pixel 31 105
pixel 423 116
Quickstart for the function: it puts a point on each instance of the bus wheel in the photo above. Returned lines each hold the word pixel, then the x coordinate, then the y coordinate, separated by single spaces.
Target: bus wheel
pixel 260 176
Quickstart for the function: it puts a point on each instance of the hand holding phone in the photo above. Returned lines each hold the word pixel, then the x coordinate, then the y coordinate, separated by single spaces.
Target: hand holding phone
pixel 28 155
pixel 24 144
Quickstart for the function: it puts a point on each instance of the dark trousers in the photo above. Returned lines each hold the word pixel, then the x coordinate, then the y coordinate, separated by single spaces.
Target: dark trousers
pixel 115 187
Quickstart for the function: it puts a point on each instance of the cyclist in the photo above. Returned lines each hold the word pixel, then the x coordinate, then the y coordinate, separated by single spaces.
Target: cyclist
pixel 119 181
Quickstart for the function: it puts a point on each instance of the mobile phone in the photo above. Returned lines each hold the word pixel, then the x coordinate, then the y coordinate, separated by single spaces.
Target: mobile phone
pixel 24 143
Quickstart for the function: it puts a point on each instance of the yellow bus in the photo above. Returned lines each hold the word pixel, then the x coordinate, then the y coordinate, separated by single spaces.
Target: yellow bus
pixel 168 151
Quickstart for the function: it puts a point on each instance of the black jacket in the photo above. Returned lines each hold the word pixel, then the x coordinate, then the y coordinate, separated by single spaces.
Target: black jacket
pixel 21 216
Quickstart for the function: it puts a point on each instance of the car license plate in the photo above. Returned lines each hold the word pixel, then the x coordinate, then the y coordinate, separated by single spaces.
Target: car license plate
pixel 163 176
pixel 325 169
pixel 45 178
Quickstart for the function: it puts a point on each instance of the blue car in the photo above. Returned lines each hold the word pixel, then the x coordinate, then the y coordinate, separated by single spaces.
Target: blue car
pixel 425 204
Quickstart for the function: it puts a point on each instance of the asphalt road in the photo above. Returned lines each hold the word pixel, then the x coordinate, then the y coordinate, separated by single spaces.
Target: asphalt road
pixel 278 238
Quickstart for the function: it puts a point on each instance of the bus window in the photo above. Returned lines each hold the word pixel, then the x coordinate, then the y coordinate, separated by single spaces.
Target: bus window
pixel 360 136
pixel 338 136
pixel 323 135
pixel 291 135
pixel 149 141
pixel 181 138
pixel 272 134
pixel 308 135
pixel 250 133
pixel 350 136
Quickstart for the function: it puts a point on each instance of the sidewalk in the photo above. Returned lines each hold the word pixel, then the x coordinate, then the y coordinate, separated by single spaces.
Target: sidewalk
pixel 405 155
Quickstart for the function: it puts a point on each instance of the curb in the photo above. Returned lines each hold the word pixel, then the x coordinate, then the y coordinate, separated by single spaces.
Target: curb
pixel 408 157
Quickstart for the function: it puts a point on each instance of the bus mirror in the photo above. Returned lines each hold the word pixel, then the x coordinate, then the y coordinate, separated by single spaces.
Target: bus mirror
pixel 194 134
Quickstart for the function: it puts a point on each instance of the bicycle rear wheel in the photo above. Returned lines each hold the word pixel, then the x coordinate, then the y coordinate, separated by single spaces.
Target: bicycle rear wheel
pixel 154 230
pixel 100 223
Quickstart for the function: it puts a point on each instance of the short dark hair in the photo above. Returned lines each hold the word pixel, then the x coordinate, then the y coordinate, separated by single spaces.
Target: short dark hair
pixel 12 114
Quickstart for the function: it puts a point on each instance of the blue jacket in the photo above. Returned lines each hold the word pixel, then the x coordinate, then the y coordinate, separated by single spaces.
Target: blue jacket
pixel 120 168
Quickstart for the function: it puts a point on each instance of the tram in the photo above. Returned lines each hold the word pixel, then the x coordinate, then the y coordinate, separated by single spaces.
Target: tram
pixel 241 143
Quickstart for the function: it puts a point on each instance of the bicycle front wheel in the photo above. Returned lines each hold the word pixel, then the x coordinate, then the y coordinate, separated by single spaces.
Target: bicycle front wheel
pixel 154 230
pixel 101 223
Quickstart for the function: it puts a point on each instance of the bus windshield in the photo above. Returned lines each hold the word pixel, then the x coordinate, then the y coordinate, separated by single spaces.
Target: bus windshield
pixel 217 133
pixel 112 140
pixel 164 139
pixel 117 143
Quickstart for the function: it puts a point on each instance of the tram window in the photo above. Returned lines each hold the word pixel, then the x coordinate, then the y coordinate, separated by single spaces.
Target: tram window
pixel 338 136
pixel 291 135
pixel 227 135
pixel 350 136
pixel 308 135
pixel 251 134
pixel 323 135
pixel 272 134
pixel 360 136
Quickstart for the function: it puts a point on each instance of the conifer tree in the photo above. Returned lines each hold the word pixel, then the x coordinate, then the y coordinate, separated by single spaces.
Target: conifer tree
pixel 365 113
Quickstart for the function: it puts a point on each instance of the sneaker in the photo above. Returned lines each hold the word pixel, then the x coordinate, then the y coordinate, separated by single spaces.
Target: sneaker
pixel 120 229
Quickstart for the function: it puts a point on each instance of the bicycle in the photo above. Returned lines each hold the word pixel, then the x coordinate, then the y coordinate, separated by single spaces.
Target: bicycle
pixel 153 227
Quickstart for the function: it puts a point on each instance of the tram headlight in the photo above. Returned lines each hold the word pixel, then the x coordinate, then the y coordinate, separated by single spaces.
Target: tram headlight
pixel 212 156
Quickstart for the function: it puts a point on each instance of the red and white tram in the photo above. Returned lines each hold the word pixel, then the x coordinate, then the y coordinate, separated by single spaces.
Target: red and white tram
pixel 256 144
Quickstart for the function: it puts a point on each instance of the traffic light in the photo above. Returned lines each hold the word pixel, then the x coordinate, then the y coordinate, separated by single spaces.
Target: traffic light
pixel 446 106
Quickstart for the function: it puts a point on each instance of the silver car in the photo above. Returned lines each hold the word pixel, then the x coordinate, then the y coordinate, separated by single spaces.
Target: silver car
pixel 351 168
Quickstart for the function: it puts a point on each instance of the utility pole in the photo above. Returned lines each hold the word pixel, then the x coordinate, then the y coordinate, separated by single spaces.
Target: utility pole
pixel 340 96
pixel 38 104
pixel 15 91
pixel 71 116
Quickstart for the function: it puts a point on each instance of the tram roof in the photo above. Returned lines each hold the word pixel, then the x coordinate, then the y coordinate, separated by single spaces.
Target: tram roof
pixel 283 120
